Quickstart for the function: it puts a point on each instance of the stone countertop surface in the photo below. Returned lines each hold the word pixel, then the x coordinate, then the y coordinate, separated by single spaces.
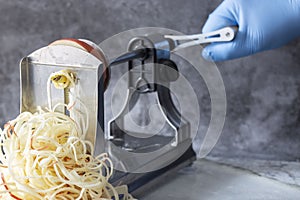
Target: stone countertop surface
pixel 210 180
pixel 283 171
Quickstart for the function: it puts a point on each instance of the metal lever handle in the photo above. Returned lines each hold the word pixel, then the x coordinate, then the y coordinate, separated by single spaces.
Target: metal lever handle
pixel 222 35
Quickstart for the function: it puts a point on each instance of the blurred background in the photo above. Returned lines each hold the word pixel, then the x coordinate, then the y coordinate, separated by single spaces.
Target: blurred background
pixel 263 90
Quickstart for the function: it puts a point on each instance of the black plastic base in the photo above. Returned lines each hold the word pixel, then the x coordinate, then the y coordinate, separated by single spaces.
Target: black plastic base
pixel 138 183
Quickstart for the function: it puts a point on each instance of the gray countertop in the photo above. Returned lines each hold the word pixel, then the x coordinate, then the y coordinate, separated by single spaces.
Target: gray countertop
pixel 211 180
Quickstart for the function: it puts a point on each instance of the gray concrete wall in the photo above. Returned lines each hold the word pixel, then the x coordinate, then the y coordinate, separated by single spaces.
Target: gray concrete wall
pixel 263 91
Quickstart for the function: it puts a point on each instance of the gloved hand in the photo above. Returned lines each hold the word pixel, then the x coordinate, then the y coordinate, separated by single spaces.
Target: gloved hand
pixel 263 25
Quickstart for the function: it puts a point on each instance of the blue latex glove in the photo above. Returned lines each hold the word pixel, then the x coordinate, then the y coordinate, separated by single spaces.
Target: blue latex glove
pixel 263 25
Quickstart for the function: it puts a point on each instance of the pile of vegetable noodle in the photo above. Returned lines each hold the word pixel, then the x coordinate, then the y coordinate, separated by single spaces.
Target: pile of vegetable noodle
pixel 44 156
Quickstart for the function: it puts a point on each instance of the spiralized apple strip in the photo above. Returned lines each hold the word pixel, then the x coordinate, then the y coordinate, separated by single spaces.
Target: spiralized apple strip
pixel 44 156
